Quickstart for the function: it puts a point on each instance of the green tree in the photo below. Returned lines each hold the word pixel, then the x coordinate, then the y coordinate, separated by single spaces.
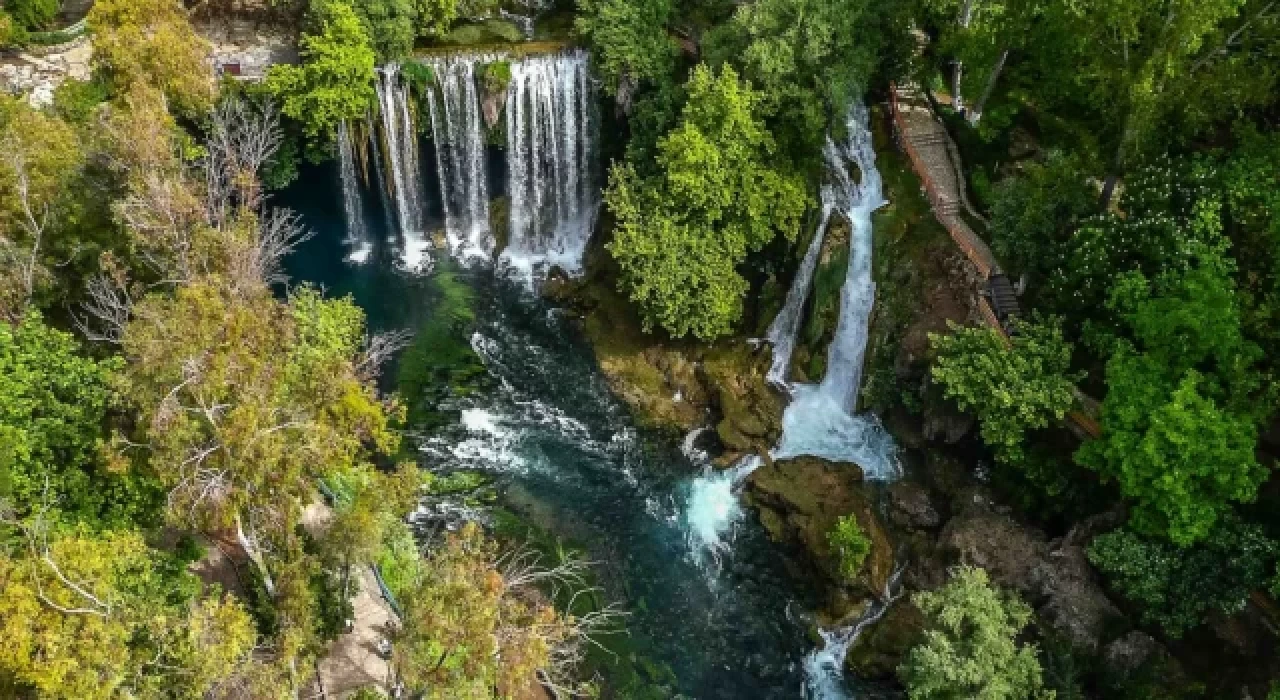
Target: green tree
pixel 719 195
pixel 629 40
pixel 969 648
pixel 335 81
pixel 1179 421
pixel 1178 587
pixel 471 631
pixel 808 58
pixel 1012 385
pixel 392 25
pixel 101 617
pixel 152 42
pixel 53 422
pixel 849 546
pixel 33 15
pixel 1035 212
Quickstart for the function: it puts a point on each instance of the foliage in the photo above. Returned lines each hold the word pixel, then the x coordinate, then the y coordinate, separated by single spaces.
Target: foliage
pixel 496 76
pixel 436 16
pixel 1035 211
pixel 969 649
pixel 335 81
pixel 390 24
pixel 1178 587
pixel 1013 386
pixel 43 208
pixel 99 617
pixel 53 421
pixel 1180 415
pixel 153 43
pixel 849 546
pixel 808 58
pixel 468 633
pixel 721 194
pixel 629 40
pixel 33 15
pixel 76 100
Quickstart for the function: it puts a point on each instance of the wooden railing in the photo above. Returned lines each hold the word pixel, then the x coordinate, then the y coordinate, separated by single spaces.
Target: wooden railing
pixel 945 207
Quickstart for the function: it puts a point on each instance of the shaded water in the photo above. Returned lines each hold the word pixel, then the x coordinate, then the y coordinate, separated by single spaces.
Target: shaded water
pixel 568 459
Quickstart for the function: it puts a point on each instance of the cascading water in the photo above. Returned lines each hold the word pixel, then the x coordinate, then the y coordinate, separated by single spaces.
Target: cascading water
pixel 820 420
pixel 401 148
pixel 550 150
pixel 352 207
pixel 824 667
pixel 457 129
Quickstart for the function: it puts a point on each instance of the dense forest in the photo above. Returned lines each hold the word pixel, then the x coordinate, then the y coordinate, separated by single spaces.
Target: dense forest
pixel 205 462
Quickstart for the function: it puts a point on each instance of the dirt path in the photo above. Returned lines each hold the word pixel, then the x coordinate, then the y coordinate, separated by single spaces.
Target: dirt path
pixel 353 661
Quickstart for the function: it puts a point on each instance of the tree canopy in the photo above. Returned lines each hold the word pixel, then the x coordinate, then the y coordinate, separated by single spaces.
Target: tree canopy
pixel 720 194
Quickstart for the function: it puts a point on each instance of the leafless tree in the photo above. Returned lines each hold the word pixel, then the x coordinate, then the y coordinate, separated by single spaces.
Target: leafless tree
pixel 241 141
pixel 35 218
pixel 378 349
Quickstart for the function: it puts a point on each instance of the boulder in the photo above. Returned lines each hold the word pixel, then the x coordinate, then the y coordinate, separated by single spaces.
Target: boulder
pixel 799 501
pixel 910 507
pixel 1129 653
pixel 877 652
pixel 1059 582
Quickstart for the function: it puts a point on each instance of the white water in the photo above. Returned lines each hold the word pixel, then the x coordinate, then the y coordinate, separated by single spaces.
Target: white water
pixel 458 131
pixel 352 208
pixel 824 667
pixel 401 143
pixel 820 420
pixel 550 150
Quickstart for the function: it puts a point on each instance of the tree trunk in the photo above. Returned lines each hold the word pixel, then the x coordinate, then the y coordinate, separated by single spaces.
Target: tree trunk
pixel 975 114
pixel 957 73
pixel 1113 177
pixel 255 556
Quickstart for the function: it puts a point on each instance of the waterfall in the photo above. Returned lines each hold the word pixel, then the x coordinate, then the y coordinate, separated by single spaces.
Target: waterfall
pixel 352 208
pixel 550 151
pixel 458 132
pixel 401 147
pixel 820 420
pixel 824 667
pixel 551 148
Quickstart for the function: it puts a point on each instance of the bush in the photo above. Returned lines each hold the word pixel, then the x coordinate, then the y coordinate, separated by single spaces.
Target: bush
pixel 849 547
pixel 1177 587
pixel 970 648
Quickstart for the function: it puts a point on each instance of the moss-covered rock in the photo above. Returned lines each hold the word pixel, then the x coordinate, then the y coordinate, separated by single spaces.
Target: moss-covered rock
pixel 876 653
pixel 799 501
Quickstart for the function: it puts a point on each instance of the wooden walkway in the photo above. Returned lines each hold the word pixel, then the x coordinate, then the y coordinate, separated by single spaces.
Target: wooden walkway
pixel 935 160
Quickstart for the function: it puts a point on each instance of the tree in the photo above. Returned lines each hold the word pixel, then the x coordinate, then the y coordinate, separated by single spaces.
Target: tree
pixel 849 546
pixel 719 195
pixel 335 81
pixel 33 15
pixel 152 42
pixel 101 617
pixel 477 624
pixel 629 41
pixel 1178 587
pixel 808 58
pixel 53 422
pixel 1131 57
pixel 391 25
pixel 969 648
pixel 1034 213
pixel 1179 421
pixel 1011 385
pixel 42 165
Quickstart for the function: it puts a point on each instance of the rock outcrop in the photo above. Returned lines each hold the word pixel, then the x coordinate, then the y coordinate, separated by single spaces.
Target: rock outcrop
pixel 799 500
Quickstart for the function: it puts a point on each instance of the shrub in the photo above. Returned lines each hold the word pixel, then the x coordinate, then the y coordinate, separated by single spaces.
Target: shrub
pixel 849 546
